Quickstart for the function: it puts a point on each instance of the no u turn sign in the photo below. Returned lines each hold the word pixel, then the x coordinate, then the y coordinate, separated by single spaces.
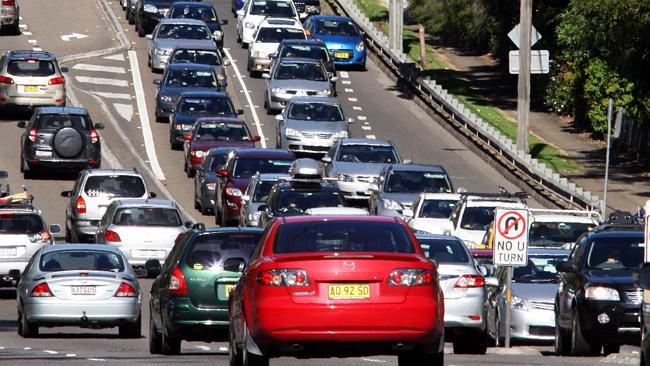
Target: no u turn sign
pixel 510 237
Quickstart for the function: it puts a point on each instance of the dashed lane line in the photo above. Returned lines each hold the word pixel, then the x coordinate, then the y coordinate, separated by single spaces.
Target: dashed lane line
pixel 37 49
pixel 102 81
pixel 362 118
pixel 116 57
pixel 346 82
pixel 357 108
pixel 348 90
pixel 345 75
pixel 372 137
pixel 100 68
pixel 113 95
pixel 352 99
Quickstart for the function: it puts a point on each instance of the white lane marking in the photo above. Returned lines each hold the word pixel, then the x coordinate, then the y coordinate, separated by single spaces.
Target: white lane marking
pixel 346 82
pixel 150 148
pixel 102 81
pixel 21 18
pixel 67 37
pixel 112 95
pixel 345 75
pixel 117 57
pixel 362 118
pixel 27 348
pixel 22 26
pixel 373 360
pixel 372 137
pixel 204 348
pixel 32 41
pixel 223 349
pixel 348 90
pixel 100 68
pixel 27 33
pixel 37 49
pixel 70 355
pixel 51 352
pixel 248 98
pixel 366 127
pixel 96 359
pixel 124 110
pixel 352 99
pixel 356 108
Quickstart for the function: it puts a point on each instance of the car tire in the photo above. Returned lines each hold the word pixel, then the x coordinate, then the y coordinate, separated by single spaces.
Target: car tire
pixel 25 328
pixel 22 163
pixel 471 343
pixel 217 216
pixel 608 349
pixel 170 345
pixel 140 29
pixel 130 17
pixel 155 338
pixel 131 330
pixel 419 358
pixel 68 234
pixel 562 340
pixel 15 30
pixel 234 353
pixel 197 204
pixel 579 345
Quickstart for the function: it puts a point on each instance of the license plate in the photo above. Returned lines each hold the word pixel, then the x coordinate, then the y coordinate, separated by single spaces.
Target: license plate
pixel 148 253
pixel 8 252
pixel 349 292
pixel 43 153
pixel 30 88
pixel 341 55
pixel 83 290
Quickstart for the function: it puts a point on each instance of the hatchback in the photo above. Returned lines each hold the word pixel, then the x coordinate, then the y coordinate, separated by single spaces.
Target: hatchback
pixel 343 37
pixel 10 16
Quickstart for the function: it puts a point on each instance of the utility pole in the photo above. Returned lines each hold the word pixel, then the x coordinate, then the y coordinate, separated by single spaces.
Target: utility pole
pixel 523 84
pixel 610 112
pixel 423 48
pixel 396 24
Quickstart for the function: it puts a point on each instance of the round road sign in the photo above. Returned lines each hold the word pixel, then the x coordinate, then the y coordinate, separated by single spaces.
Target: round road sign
pixel 512 225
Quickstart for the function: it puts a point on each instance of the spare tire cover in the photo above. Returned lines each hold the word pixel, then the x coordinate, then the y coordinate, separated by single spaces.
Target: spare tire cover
pixel 68 142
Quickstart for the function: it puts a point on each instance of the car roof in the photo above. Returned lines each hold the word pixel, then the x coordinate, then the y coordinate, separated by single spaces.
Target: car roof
pixel 113 172
pixel 314 99
pixel 195 47
pixel 81 247
pixel 440 196
pixel 331 17
pixel 192 3
pixel 139 202
pixel 494 201
pixel 190 66
pixel 417 167
pixel 254 152
pixel 429 236
pixel 188 21
pixel 219 120
pixel 320 218
pixel 564 218
pixel 62 110
pixel 203 93
pixel 41 55
pixel 270 177
pixel 365 141
pixel 222 230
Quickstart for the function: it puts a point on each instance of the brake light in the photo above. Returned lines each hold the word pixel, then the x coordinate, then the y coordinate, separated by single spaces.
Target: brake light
pixel 6 80
pixel 41 290
pixel 284 277
pixel 81 205
pixel 177 285
pixel 94 137
pixel 8 2
pixel 411 277
pixel 469 281
pixel 56 81
pixel 112 236
pixel 32 135
pixel 125 290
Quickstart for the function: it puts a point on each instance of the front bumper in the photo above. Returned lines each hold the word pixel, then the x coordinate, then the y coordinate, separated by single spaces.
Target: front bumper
pixel 354 57
pixel 354 190
pixel 534 324
pixel 624 323
pixel 307 145
pixel 59 312
pixel 260 64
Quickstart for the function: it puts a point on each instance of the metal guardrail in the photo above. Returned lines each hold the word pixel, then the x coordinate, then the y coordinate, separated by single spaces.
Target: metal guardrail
pixel 536 175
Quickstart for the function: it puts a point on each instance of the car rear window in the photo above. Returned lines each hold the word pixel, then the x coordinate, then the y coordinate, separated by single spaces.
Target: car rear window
pixel 94 260
pixel 59 120
pixel 342 236
pixel 444 250
pixel 276 35
pixel 344 28
pixel 204 57
pixel 305 51
pixel 38 68
pixel 222 132
pixel 20 223
pixel 147 216
pixel 115 186
pixel 246 167
pixel 437 209
pixel 417 181
pixel 208 105
pixel 300 71
pixel 210 250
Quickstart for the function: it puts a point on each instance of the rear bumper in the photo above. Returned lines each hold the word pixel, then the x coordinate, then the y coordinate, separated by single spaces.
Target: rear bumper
pixel 28 101
pixel 66 312
pixel 184 320
pixel 52 163
pixel 459 313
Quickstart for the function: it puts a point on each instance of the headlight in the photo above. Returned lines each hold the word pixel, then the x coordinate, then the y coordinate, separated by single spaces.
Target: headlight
pixel 218 34
pixel 518 303
pixel 166 98
pixel 340 135
pixel 291 132
pixel 249 25
pixel 602 293
pixel 233 191
pixel 344 178
pixel 150 8
pixel 278 91
pixel 391 205
pixel 162 52
pixel 324 92
pixel 360 46
pixel 211 186
pixel 221 77
pixel 198 153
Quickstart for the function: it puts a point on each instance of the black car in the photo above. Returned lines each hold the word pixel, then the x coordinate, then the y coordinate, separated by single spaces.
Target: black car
pixel 306 48
pixel 201 11
pixel 59 137
pixel 148 13
pixel 201 55
pixel 598 304
pixel 205 180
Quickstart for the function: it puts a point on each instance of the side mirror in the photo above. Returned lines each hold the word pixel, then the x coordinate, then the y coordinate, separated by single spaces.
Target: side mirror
pixel 157 82
pixel 483 269
pixel 565 267
pixel 222 172
pixel 153 195
pixel 307 32
pixel 152 267
pixel 55 229
pixel 334 78
pixel 199 226
pixel 256 139
pixel 266 75
pixel 226 62
pixel 351 120
pixel 326 159
pixel 407 161
pixel 278 117
pixel 14 274
pixel 245 198
pixel 273 55
pixel 407 213
pixel 239 111
pixel 491 281
pixel 224 22
pixel 234 264
pixel 461 190
pixel 66 194
pixel 240 13
pixel 149 36
pixel 188 224
pixel 21 124
pixel 99 126
pixel 261 208
pixel 64 69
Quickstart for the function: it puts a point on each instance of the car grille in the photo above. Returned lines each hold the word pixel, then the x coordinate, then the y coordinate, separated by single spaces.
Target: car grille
pixel 541 331
pixel 634 296
pixel 542 305
pixel 309 148
pixel 309 92
pixel 365 178
pixel 311 135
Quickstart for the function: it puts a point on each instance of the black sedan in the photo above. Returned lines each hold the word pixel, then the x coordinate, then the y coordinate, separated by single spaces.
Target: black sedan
pixel 205 179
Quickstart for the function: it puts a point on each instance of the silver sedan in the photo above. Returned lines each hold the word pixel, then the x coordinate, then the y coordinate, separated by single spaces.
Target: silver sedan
pixel 87 285
pixel 172 33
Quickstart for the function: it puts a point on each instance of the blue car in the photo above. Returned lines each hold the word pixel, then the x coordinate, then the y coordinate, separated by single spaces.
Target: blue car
pixel 343 38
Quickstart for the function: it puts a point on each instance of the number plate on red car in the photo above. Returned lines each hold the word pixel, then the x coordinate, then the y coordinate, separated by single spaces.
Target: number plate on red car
pixel 83 290
pixel 348 292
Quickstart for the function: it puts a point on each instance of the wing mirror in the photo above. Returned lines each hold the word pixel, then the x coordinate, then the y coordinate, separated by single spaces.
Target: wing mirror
pixel 273 55
pixel 307 32
pixel 256 139
pixel 149 36
pixel 55 229
pixel 234 264
pixel 14 274
pixel 245 198
pixel 239 111
pixel 188 224
pixel 157 82
pixel 373 187
pixel 266 75
pixel 222 172
pixel 407 161
pixel 187 137
pixel 152 267
pixel 224 22
pixel 261 208
pixel 99 126
pixel 153 195
pixel 407 213
pixel 279 117
pixel 21 124
pixel 565 267
pixel 240 13
pixel 326 159
pixel 66 194
pixel 64 69
pixel 334 78
pixel 351 120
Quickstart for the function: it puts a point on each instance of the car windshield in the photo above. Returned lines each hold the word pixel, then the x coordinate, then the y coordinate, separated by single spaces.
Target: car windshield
pixel 477 218
pixel 204 13
pixel 436 209
pixel 56 121
pixel 540 268
pixel 114 186
pixel 89 260
pixel 299 201
pixel 315 111
pixel 367 154
pixel 203 57
pixel 300 71
pixel 276 35
pixel 444 250
pixel 556 233
pixel 37 68
pixel 216 161
pixel 305 51
pixel 342 236
pixel 416 181
pixel 221 132
pixel 262 190
pixel 336 28
pixel 20 223
pixel 210 250
pixel 184 31
pixel 246 167
pixel 207 105
pixel 191 78
pixel 280 9
pixel 147 216
pixel 615 253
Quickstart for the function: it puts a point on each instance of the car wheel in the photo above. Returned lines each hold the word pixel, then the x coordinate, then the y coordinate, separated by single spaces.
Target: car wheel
pixel 131 330
pixel 418 358
pixel 217 216
pixel 140 29
pixel 22 163
pixel 204 209
pixel 234 353
pixel 155 339
pixel 608 349
pixel 579 345
pixel 472 342
pixel 130 17
pixel 25 328
pixel 562 340
pixel 170 345
pixel 197 204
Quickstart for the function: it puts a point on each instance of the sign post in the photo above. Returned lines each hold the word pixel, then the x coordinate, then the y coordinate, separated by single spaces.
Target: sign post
pixel 510 249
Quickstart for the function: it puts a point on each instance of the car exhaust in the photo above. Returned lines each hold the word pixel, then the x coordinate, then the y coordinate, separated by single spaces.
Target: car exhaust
pixel 402 347
pixel 84 318
pixel 297 347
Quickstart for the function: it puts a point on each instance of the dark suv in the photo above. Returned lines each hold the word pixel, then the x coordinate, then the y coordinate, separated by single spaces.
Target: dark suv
pixel 598 305
pixel 60 137
pixel 148 13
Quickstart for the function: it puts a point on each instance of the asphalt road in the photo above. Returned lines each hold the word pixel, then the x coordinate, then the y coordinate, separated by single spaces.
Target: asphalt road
pixel 118 90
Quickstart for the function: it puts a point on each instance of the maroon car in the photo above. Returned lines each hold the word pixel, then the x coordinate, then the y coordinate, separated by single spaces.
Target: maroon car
pixel 212 132
pixel 242 164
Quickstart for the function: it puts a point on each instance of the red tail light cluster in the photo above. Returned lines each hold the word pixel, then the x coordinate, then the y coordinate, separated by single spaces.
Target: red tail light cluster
pixel 112 236
pixel 56 81
pixel 411 277
pixel 94 137
pixel 32 135
pixel 81 205
pixel 8 2
pixel 284 277
pixel 41 290
pixel 177 284
pixel 469 281
pixel 125 290
pixel 6 80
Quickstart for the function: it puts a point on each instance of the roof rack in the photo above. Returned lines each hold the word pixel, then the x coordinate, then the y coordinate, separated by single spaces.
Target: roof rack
pixel 18 200
pixel 585 213
pixel 503 193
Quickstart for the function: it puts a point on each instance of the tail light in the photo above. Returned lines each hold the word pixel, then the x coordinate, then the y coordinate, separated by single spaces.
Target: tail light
pixel 41 290
pixel 94 137
pixel 42 237
pixel 284 277
pixel 411 277
pixel 6 80
pixel 56 81
pixel 469 281
pixel 112 236
pixel 177 284
pixel 8 2
pixel 32 135
pixel 81 205
pixel 125 290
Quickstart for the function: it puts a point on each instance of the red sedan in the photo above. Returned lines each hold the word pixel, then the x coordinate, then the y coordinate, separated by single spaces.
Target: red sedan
pixel 337 286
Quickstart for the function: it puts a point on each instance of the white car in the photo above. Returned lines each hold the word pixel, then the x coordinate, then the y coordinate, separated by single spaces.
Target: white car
pixel 253 13
pixel 559 228
pixel 267 39
pixel 431 210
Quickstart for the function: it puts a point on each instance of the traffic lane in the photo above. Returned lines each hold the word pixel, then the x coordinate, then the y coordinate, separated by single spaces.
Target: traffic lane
pixel 48 21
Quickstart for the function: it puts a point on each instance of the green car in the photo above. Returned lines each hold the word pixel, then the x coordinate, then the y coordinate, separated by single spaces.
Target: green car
pixel 189 297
